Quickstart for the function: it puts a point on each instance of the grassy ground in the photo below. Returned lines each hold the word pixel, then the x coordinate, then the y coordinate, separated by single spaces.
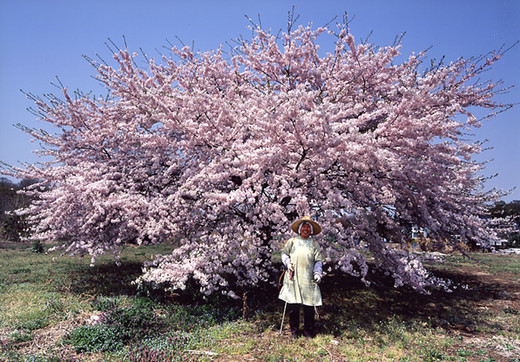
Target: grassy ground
pixel 48 310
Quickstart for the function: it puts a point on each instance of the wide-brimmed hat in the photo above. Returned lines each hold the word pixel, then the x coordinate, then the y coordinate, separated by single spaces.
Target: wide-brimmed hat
pixel 316 228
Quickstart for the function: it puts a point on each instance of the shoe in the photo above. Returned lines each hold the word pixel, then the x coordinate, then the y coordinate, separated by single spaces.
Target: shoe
pixel 296 334
pixel 309 334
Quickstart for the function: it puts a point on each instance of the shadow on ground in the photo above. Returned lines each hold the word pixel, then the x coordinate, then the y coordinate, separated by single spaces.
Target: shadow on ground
pixel 349 303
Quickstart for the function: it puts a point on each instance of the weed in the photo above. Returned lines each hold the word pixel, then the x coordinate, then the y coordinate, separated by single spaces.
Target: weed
pixel 119 326
pixel 275 358
pixel 433 355
pixel 20 271
pixel 21 336
pixel 147 354
pixel 37 247
pixel 461 352
pixel 511 310
pixel 94 338
pixel 132 323
pixel 142 303
pixel 104 304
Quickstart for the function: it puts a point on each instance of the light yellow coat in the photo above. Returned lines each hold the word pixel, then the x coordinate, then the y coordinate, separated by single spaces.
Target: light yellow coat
pixel 301 289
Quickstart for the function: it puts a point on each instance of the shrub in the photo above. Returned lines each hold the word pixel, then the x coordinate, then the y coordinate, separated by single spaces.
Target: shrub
pixel 37 247
pixel 514 240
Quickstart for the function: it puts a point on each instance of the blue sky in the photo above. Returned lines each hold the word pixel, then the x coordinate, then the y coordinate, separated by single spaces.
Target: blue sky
pixel 40 40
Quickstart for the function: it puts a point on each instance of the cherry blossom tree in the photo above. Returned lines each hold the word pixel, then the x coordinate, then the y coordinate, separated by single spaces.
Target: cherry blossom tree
pixel 221 152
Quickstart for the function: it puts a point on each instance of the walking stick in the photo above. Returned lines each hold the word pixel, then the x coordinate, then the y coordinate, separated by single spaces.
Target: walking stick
pixel 283 317
pixel 285 306
pixel 316 314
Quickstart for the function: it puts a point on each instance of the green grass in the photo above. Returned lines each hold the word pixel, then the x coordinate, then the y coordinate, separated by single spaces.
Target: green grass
pixel 504 264
pixel 42 295
pixel 491 263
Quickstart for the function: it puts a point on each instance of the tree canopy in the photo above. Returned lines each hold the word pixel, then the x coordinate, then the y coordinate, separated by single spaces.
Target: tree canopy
pixel 507 214
pixel 222 152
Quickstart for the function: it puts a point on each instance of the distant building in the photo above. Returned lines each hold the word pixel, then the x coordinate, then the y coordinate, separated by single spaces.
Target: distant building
pixel 418 232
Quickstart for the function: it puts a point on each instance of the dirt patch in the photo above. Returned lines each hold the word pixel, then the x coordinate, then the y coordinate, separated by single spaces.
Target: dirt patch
pixel 502 348
pixel 49 339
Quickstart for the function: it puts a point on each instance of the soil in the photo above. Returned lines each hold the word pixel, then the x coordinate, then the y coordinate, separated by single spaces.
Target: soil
pixel 50 338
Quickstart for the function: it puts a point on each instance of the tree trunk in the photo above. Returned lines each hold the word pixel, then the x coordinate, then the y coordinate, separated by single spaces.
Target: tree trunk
pixel 245 306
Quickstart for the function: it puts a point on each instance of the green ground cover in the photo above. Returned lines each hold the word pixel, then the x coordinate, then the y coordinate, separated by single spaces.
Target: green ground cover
pixel 54 309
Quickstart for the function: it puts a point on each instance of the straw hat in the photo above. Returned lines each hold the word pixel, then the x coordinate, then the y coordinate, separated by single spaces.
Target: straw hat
pixel 316 228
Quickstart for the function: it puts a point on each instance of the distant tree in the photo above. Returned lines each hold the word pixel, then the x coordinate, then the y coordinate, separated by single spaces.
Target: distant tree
pixel 13 226
pixel 222 152
pixel 509 212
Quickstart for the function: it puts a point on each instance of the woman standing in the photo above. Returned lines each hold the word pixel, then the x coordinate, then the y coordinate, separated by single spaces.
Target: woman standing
pixel 302 257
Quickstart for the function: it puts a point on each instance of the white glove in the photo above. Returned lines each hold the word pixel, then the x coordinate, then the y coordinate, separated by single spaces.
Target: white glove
pixel 317 278
pixel 286 260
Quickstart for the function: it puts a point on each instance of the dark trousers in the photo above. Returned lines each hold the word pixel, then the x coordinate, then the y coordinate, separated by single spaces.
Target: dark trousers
pixel 308 319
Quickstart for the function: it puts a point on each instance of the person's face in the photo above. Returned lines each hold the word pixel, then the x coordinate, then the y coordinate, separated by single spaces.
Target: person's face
pixel 305 231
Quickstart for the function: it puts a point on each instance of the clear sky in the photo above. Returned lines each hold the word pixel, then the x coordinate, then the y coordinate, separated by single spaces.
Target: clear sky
pixel 42 39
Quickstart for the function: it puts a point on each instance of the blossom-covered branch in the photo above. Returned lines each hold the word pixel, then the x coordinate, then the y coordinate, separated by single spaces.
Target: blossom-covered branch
pixel 222 152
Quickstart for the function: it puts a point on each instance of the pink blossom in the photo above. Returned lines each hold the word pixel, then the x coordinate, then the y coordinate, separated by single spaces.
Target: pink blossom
pixel 221 153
